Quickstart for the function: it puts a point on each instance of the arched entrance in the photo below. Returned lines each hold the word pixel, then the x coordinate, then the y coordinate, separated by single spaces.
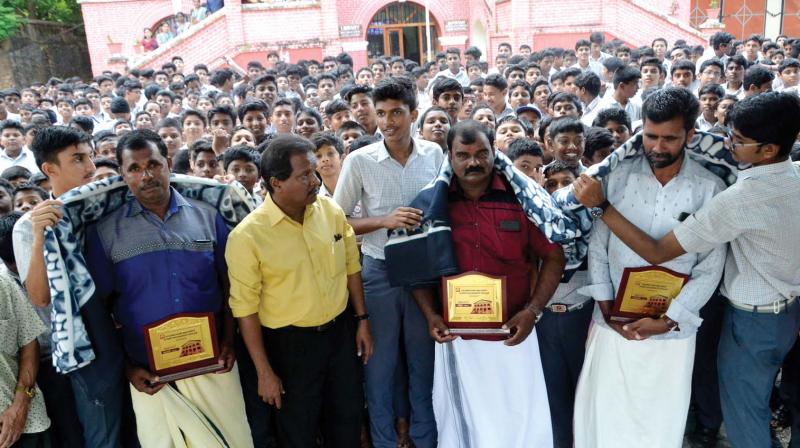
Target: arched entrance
pixel 399 30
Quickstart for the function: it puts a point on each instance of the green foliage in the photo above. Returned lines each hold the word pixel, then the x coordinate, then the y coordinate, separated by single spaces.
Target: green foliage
pixel 13 13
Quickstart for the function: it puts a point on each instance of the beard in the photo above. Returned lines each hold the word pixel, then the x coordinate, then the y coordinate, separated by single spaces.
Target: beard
pixel 662 160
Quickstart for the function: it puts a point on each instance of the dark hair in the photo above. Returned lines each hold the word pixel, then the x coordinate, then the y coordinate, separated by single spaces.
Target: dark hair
pixel 654 62
pixel 597 138
pixel 597 37
pixel 14 172
pixel 720 38
pixel 473 51
pixel 107 163
pixel 399 88
pixel 562 97
pixel 683 64
pixel 497 81
pixel 669 103
pixel 788 62
pixel 364 140
pixel 523 147
pixel 7 223
pixel 590 81
pixel 443 85
pixel 756 75
pixel 168 123
pixel 85 124
pixel 193 113
pixel 715 89
pixel 253 105
pixel 221 110
pixel 613 64
pixel 772 117
pixel 557 166
pixel 12 124
pixel 220 76
pixel 468 132
pixel 321 139
pixel 425 114
pixel 626 75
pixel 276 159
pixel 30 187
pixel 200 146
pixel 561 125
pixel 180 162
pixel 283 102
pixel 350 125
pixel 140 139
pixel 525 124
pixel 738 60
pixel 357 89
pixel 582 43
pixel 310 112
pixel 615 114
pixel 713 61
pixel 335 107
pixel 242 153
pixel 50 141
pixel 755 37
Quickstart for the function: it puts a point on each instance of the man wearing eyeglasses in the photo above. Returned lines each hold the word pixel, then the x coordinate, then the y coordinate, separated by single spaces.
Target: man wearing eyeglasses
pixel 759 216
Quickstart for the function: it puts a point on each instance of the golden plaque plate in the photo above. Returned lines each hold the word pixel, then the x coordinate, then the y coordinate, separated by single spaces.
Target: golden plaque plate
pixel 646 292
pixel 474 303
pixel 182 346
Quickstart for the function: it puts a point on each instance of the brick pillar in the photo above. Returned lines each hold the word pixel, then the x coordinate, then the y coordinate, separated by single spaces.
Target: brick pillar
pixel 329 28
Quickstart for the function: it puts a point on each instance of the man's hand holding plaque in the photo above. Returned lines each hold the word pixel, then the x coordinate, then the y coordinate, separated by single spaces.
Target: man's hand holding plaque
pixel 182 346
pixel 646 292
pixel 474 304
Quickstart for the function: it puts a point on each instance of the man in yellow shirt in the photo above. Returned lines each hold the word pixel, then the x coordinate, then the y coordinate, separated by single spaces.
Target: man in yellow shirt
pixel 292 263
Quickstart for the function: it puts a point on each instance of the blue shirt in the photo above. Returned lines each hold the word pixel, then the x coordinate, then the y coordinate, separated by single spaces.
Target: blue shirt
pixel 155 269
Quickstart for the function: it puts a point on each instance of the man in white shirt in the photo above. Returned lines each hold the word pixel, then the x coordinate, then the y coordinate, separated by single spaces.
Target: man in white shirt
pixel 385 177
pixel 454 69
pixel 655 191
pixel 759 218
pixel 588 85
pixel 626 84
pixel 710 96
pixel 12 140
pixel 583 52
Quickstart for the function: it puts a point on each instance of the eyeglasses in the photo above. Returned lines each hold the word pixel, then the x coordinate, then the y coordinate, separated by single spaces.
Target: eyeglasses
pixel 735 146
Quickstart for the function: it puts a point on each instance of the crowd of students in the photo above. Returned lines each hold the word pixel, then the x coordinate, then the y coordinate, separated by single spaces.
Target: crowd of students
pixel 317 351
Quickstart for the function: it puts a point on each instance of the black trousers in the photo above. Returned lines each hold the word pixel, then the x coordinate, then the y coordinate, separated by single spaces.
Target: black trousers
pixel 562 346
pixel 705 381
pixel 321 375
pixel 259 414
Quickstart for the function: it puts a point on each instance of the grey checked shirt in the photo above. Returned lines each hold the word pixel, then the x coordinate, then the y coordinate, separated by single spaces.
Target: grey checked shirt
pixel 759 216
pixel 372 176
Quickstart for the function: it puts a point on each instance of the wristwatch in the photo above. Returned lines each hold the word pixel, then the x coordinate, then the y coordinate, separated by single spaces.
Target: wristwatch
pixel 360 317
pixel 671 324
pixel 597 212
pixel 29 391
pixel 537 314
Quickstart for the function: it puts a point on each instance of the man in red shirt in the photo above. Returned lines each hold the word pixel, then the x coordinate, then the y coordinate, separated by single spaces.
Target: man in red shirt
pixel 479 381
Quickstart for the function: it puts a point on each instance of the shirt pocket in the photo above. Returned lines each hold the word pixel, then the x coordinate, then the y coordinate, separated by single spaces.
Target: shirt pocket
pixel 338 259
pixel 510 236
pixel 9 333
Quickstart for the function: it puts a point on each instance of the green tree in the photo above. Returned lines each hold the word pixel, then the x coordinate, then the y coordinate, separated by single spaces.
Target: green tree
pixel 14 13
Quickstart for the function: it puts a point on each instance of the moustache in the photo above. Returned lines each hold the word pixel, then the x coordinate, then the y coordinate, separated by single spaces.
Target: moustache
pixel 476 169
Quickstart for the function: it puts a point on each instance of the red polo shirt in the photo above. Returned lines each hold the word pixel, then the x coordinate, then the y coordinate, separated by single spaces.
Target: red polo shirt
pixel 494 236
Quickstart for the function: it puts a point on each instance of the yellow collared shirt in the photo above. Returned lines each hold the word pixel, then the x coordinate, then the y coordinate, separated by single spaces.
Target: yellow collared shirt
pixel 291 273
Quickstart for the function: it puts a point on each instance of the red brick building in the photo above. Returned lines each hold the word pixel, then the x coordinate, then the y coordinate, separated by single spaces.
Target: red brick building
pixel 315 28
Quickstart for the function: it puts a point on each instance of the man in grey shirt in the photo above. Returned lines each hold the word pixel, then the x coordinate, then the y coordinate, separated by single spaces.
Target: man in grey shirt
pixel 759 218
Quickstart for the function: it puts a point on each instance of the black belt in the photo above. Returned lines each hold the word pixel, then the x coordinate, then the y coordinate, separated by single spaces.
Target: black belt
pixel 318 329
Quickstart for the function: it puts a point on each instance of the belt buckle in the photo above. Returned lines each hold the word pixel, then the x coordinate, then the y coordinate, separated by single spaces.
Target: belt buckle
pixel 776 307
pixel 558 308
